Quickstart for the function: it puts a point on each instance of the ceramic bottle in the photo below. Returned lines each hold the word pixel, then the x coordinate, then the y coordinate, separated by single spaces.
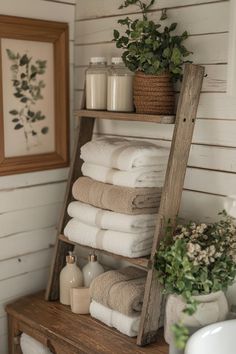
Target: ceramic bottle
pixel 70 277
pixel 91 270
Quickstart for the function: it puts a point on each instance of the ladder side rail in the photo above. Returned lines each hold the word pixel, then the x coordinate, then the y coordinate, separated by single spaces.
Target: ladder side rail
pixel 171 195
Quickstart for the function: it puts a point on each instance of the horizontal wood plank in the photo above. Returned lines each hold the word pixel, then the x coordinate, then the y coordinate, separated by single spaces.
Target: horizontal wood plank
pixel 29 219
pixel 125 116
pixel 214 80
pixel 89 9
pixel 141 262
pixel 25 263
pixel 28 197
pixel 82 334
pixel 210 132
pixel 195 19
pixel 26 242
pixel 207 49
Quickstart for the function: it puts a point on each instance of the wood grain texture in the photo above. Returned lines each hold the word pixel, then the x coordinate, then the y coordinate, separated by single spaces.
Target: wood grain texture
pixel 125 116
pixel 84 134
pixel 171 195
pixel 141 262
pixel 56 325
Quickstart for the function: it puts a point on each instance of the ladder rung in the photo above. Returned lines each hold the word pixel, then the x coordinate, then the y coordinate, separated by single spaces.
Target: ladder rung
pixel 161 119
pixel 143 262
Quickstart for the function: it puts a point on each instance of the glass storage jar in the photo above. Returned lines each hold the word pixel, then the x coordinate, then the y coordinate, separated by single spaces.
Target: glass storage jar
pixel 120 87
pixel 96 84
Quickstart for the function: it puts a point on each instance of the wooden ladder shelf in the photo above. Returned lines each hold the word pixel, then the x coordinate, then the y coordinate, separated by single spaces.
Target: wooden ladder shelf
pixel 171 194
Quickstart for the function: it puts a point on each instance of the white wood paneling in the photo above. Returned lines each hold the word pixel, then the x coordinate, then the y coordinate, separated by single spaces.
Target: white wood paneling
pixel 214 80
pixel 194 19
pixel 92 9
pixel 18 244
pixel 23 198
pixel 205 49
pixel 25 264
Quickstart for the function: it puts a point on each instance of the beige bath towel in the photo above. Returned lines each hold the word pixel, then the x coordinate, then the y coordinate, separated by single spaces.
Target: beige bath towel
pixel 121 290
pixel 119 199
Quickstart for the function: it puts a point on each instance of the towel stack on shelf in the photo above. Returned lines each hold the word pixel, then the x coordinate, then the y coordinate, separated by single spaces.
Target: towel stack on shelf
pixel 118 197
pixel 108 292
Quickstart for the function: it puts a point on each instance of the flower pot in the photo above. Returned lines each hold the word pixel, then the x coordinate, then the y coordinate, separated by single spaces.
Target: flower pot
pixel 211 308
pixel 154 94
pixel 231 296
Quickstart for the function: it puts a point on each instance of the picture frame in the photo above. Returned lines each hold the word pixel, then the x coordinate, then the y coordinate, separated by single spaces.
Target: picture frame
pixel 34 95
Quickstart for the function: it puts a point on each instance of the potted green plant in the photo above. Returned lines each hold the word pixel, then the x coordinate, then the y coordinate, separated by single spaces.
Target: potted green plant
pixel 155 54
pixel 195 266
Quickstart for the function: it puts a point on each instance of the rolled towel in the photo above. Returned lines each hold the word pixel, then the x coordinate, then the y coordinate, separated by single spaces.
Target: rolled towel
pixel 125 324
pixel 123 154
pixel 118 199
pixel 105 219
pixel 121 290
pixel 137 177
pixel 122 243
pixel 31 346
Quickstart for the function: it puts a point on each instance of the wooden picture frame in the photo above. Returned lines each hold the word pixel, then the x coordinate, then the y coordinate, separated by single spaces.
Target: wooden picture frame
pixel 34 95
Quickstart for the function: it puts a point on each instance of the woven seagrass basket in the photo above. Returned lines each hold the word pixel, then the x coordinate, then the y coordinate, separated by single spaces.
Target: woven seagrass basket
pixel 154 94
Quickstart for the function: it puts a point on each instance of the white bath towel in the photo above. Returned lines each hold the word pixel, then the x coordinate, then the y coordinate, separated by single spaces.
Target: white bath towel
pixel 122 243
pixel 125 324
pixel 105 219
pixel 123 154
pixel 31 346
pixel 137 177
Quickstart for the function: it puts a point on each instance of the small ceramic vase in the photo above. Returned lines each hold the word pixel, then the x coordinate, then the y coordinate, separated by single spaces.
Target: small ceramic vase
pixel 211 308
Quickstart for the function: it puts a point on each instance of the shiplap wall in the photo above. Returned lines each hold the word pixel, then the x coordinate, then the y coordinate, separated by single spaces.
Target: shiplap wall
pixel 211 172
pixel 30 203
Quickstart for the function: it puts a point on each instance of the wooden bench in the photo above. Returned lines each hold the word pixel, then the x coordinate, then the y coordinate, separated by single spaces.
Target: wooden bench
pixel 63 332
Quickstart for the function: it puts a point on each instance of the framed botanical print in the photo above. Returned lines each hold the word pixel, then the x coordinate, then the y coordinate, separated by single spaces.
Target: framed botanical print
pixel 34 95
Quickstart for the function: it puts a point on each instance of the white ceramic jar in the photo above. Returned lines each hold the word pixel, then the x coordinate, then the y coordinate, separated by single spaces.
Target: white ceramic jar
pixel 96 84
pixel 211 308
pixel 120 87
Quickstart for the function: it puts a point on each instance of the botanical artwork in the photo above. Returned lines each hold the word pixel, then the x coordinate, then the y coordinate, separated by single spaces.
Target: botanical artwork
pixel 28 89
pixel 28 97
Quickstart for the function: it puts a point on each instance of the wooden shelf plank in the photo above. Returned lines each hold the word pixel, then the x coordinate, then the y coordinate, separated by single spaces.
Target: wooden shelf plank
pixel 143 262
pixel 162 119
pixel 53 324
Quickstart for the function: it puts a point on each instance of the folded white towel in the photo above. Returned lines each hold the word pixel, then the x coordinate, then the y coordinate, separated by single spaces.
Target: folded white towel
pixel 123 154
pixel 122 243
pixel 31 346
pixel 125 324
pixel 105 219
pixel 137 177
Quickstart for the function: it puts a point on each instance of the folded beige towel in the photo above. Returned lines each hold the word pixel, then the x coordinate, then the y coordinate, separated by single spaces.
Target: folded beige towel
pixel 119 199
pixel 121 290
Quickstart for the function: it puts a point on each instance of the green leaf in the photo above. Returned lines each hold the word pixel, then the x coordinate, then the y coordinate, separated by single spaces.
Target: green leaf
pixel 30 114
pixel 15 120
pixel 116 34
pixel 44 130
pixel 173 26
pixel 10 54
pixel 18 126
pixel 24 60
pixel 24 99
pixel 14 112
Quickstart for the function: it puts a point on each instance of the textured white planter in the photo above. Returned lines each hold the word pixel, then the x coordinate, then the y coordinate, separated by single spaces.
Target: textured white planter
pixel 231 295
pixel 211 308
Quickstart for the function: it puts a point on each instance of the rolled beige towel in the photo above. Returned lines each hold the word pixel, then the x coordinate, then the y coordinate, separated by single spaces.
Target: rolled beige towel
pixel 118 199
pixel 120 290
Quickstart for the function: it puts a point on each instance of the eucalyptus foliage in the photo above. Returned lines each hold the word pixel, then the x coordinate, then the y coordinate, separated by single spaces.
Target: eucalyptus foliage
pixel 27 89
pixel 200 259
pixel 150 47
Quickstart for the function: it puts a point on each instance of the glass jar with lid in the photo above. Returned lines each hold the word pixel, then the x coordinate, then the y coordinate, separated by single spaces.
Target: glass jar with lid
pixel 96 84
pixel 120 87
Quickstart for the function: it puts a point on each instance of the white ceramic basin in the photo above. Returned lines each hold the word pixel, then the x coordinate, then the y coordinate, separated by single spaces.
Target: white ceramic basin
pixel 217 338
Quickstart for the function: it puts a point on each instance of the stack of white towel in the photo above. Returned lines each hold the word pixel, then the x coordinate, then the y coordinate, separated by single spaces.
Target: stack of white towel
pixel 31 346
pixel 124 163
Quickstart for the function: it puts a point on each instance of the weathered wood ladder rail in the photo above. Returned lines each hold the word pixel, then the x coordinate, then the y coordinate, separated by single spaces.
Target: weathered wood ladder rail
pixel 171 194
